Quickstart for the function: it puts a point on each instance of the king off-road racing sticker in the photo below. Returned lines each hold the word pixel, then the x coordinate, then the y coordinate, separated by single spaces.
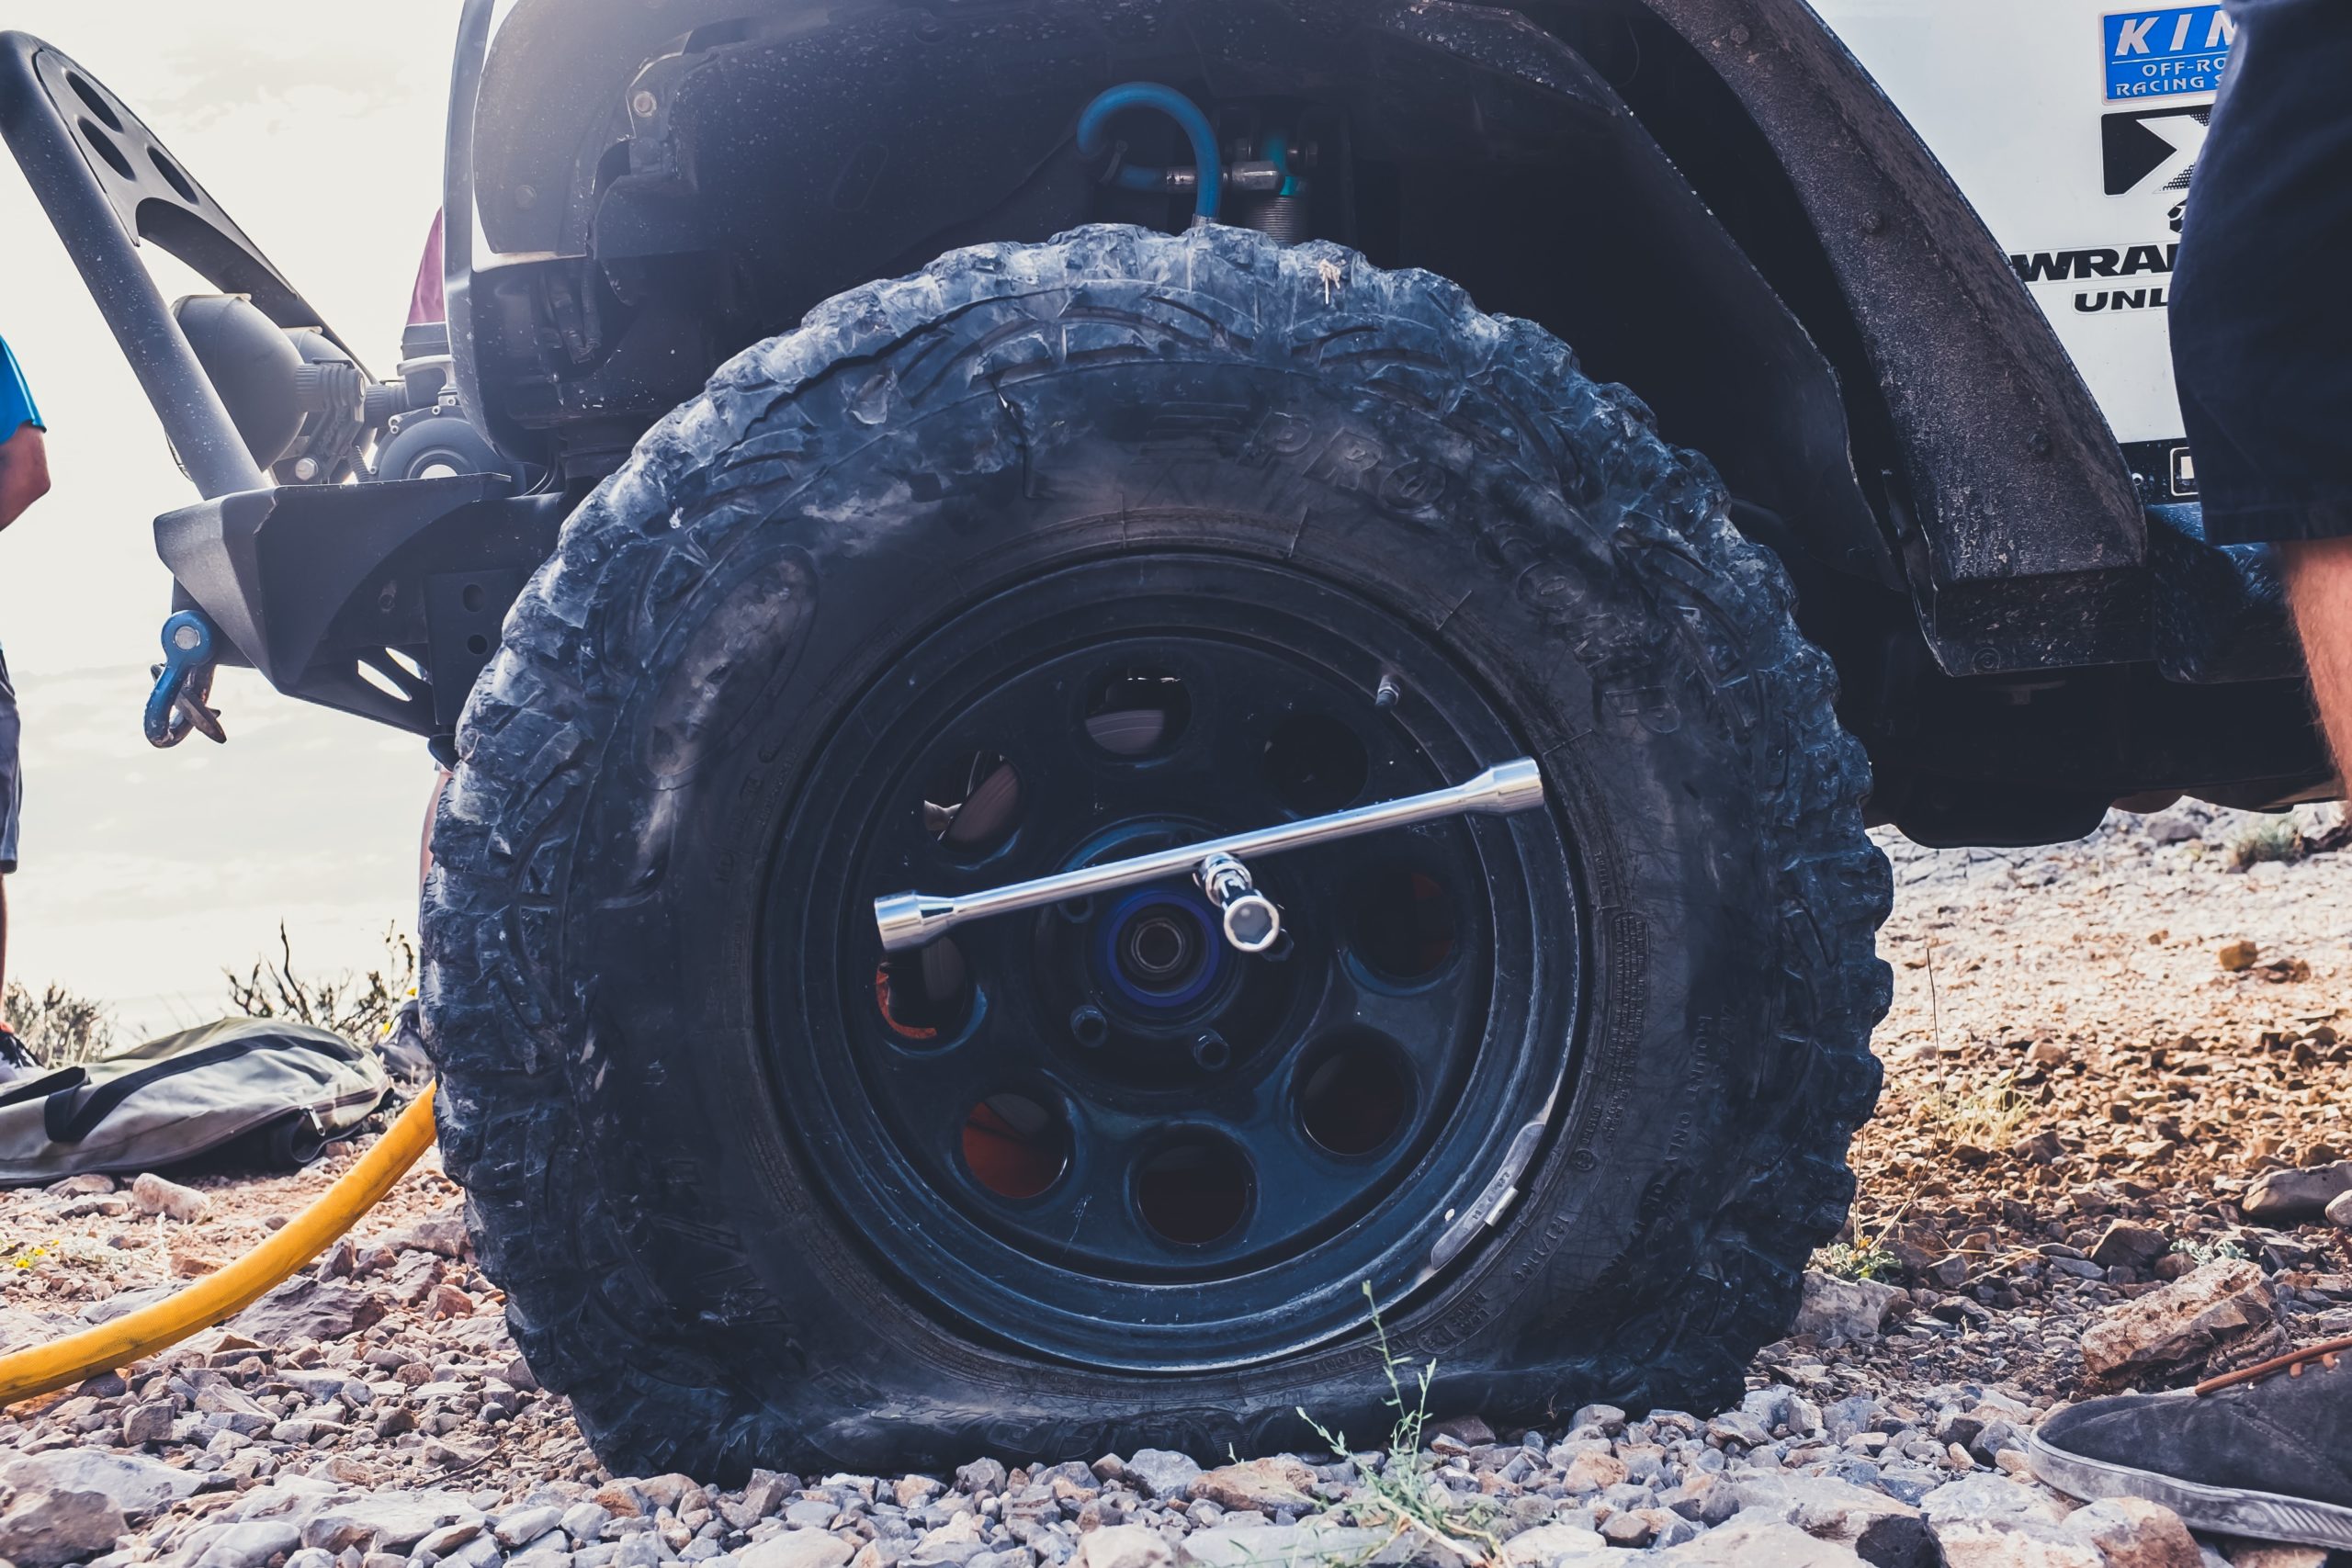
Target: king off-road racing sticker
pixel 2158 54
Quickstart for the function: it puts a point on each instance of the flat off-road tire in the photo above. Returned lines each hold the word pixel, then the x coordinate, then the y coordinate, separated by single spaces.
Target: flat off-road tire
pixel 641 1180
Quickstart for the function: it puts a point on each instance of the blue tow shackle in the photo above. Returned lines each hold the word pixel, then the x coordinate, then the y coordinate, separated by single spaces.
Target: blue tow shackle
pixel 184 681
pixel 1094 141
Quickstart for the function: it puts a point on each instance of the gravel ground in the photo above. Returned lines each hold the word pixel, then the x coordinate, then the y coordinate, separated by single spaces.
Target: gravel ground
pixel 2111 1125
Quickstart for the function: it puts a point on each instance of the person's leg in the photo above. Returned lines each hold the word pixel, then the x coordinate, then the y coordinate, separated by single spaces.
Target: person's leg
pixel 2319 586
pixel 2262 348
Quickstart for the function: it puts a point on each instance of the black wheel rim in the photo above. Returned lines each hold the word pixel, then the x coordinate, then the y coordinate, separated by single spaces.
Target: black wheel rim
pixel 1097 1130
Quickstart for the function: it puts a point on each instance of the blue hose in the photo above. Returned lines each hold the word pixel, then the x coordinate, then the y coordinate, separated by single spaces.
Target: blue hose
pixel 1093 140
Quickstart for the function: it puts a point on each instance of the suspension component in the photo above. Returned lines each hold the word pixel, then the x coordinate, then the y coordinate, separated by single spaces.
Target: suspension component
pixel 910 919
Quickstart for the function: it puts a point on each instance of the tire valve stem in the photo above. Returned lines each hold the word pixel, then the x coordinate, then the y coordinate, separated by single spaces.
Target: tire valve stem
pixel 1389 695
pixel 1253 923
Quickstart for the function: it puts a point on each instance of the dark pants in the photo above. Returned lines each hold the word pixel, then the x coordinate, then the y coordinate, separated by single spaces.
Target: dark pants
pixel 2262 299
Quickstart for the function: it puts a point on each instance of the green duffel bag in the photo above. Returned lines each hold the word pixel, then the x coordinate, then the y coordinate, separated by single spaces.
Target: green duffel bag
pixel 287 1088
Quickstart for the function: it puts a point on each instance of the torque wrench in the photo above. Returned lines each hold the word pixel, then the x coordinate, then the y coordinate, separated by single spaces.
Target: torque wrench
pixel 910 919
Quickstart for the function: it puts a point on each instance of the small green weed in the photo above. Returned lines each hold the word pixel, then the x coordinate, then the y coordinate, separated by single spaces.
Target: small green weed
pixel 2203 1252
pixel 1986 1116
pixel 1404 1494
pixel 2271 838
pixel 1843 1261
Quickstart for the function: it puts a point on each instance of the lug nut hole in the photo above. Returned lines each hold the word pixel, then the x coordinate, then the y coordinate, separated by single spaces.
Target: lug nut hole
pixel 1403 926
pixel 973 804
pixel 926 994
pixel 1315 764
pixel 1138 713
pixel 1194 1191
pixel 1014 1146
pixel 1354 1094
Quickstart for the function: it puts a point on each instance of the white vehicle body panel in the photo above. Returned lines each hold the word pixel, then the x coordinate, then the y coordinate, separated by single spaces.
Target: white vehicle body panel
pixel 2072 127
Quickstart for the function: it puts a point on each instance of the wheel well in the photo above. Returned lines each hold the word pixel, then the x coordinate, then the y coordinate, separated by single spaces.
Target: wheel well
pixel 756 165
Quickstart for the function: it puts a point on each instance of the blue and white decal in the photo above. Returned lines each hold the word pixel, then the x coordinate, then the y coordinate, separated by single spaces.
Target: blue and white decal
pixel 2157 54
pixel 2086 194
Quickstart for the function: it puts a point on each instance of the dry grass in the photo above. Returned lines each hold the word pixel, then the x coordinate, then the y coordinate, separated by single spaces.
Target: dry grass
pixel 59 1027
pixel 358 1007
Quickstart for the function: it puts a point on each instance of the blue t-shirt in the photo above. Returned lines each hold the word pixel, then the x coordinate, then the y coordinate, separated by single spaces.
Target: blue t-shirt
pixel 16 407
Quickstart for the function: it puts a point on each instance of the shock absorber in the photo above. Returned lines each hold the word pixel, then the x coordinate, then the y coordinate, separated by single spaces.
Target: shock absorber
pixel 1275 194
pixel 1283 210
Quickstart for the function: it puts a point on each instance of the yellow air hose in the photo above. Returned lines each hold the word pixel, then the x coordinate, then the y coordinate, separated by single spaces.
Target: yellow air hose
pixel 40 1369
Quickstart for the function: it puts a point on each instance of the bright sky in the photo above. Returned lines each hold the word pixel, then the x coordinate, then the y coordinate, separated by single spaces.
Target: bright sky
pixel 145 872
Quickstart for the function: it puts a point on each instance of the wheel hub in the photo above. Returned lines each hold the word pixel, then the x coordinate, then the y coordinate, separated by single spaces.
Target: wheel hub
pixel 1158 952
pixel 1113 1135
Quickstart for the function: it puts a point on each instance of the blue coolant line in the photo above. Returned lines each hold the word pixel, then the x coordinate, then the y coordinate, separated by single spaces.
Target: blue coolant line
pixel 1093 140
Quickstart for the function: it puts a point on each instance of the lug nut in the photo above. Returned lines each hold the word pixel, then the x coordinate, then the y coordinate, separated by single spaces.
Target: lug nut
pixel 1252 924
pixel 1088 1025
pixel 1210 1053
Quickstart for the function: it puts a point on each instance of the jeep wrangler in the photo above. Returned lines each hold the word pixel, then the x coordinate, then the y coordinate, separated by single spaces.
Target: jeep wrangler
pixel 1150 699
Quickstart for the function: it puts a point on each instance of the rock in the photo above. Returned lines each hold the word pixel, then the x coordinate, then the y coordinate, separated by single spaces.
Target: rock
pixel 250 1545
pixel 1547 1544
pixel 2288 1197
pixel 307 1309
pixel 445 1542
pixel 1631 1528
pixel 2238 956
pixel 1758 1543
pixel 1159 1472
pixel 1122 1546
pixel 517 1526
pixel 1595 1469
pixel 1705 1497
pixel 148 1422
pixel 2130 1246
pixel 1988 1499
pixel 443 1232
pixel 1468 1430
pixel 2250 1556
pixel 150 1194
pixel 1836 1309
pixel 1880 1529
pixel 1318 1543
pixel 139 1488
pixel 2339 1210
pixel 1264 1484
pixel 389 1521
pixel 2028 1543
pixel 2131 1532
pixel 581 1521
pixel 1606 1419
pixel 49 1529
pixel 980 1475
pixel 2042 1147
pixel 2178 1323
pixel 1416 1546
